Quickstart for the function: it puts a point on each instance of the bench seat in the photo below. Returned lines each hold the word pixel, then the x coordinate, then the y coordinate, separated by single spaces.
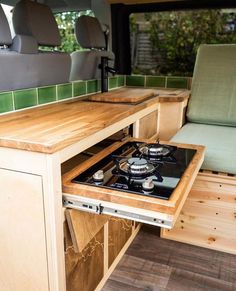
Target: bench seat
pixel 220 142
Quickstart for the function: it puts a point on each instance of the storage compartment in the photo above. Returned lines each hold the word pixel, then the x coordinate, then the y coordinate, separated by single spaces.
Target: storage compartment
pixel 102 241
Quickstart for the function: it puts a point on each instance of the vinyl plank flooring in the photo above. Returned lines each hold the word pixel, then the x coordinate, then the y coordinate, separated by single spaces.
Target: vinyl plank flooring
pixel 113 285
pixel 181 280
pixel 152 263
pixel 183 256
pixel 142 274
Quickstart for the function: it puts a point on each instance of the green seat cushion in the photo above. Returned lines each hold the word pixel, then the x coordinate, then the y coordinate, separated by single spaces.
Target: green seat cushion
pixel 213 97
pixel 220 142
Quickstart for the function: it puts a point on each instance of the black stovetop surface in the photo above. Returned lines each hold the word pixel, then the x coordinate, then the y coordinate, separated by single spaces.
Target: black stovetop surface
pixel 166 177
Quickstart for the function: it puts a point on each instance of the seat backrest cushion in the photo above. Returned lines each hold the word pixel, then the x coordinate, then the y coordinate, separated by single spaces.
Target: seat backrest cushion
pixel 85 64
pixel 213 96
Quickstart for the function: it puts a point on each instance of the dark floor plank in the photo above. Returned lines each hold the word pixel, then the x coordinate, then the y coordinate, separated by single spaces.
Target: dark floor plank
pixel 149 246
pixel 143 274
pixel 181 280
pixel 112 285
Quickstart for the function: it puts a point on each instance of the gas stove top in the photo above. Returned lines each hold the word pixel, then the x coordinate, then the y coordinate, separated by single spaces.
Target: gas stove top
pixel 148 169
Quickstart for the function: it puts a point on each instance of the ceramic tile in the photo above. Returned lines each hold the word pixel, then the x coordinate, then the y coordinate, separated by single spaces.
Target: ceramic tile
pixel 47 94
pixel 6 102
pixel 64 91
pixel 25 98
pixel 79 88
pixel 137 81
pixel 155 81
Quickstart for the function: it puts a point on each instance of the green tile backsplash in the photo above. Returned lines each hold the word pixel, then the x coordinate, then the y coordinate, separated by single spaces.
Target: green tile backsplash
pixel 177 82
pixel 64 91
pixel 120 81
pixel 47 94
pixel 6 102
pixel 135 81
pixel 92 86
pixel 79 88
pixel 113 82
pixel 14 100
pixel 25 98
pixel 155 81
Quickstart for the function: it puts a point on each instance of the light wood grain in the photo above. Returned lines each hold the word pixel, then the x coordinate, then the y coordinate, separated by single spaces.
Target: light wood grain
pixel 83 227
pixel 118 234
pixel 124 95
pixel 208 216
pixel 53 127
pixel 23 253
pixel 172 95
pixel 147 126
pixel 84 270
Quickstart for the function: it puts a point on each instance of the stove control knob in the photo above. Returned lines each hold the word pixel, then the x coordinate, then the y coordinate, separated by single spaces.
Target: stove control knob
pixel 98 176
pixel 148 185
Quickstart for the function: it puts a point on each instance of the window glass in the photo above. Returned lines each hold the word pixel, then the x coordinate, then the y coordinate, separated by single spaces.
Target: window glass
pixel 8 12
pixel 66 24
pixel 167 42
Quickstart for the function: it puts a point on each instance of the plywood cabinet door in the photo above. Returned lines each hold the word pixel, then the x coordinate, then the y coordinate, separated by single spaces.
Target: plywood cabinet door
pixel 147 126
pixel 23 258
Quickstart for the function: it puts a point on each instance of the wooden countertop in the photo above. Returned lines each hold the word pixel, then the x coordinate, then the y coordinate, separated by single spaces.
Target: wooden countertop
pixel 172 95
pixel 50 128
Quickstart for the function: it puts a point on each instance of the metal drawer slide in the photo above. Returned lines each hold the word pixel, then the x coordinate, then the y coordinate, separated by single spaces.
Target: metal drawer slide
pixel 98 207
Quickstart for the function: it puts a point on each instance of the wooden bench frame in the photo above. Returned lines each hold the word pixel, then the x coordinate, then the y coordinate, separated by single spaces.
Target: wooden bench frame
pixel 208 218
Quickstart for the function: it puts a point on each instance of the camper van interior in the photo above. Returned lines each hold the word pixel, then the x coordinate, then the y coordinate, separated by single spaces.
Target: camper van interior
pixel 117 145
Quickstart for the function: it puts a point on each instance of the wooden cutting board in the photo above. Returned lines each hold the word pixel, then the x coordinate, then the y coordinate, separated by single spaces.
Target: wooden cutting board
pixel 124 95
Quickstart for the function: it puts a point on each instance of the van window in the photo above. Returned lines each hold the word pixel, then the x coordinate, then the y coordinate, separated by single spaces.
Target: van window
pixel 8 12
pixel 167 42
pixel 66 23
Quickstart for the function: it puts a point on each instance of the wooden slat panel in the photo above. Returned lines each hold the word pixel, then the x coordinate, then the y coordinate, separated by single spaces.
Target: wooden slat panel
pixel 119 232
pixel 208 217
pixel 83 227
pixel 84 270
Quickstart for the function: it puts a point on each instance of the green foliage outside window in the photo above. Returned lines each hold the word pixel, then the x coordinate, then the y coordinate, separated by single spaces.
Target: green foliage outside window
pixel 66 24
pixel 176 36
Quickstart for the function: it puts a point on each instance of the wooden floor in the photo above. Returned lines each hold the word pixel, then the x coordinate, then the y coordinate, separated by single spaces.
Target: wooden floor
pixel 152 263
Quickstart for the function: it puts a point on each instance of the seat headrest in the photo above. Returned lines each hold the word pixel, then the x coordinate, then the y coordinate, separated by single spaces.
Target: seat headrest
pixel 89 32
pixel 37 20
pixel 5 33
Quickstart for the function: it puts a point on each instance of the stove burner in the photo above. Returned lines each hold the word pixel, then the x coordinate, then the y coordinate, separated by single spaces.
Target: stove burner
pixel 156 150
pixel 136 168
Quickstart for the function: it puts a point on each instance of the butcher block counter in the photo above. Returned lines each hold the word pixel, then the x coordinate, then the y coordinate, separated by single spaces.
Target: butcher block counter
pixel 33 145
pixel 50 128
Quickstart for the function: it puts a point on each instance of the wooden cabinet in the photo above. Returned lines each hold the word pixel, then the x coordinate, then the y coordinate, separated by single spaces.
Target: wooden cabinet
pixel 23 249
pixel 147 126
pixel 119 231
pixel 209 214
pixel 171 118
pixel 89 267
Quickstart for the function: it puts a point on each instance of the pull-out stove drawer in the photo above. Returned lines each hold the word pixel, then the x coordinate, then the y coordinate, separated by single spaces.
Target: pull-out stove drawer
pixel 128 204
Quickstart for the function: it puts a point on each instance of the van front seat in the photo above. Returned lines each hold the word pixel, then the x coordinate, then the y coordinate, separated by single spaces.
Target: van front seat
pixel 85 64
pixel 37 20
